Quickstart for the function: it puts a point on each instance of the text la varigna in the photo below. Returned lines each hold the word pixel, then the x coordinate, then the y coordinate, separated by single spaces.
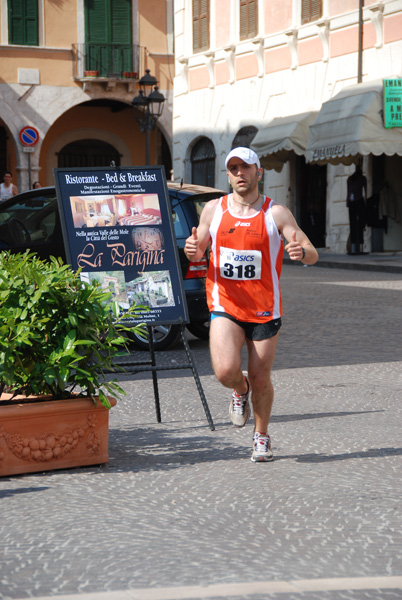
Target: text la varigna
pixel 120 256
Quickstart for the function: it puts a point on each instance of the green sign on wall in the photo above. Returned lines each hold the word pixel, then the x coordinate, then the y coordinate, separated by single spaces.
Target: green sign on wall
pixel 393 103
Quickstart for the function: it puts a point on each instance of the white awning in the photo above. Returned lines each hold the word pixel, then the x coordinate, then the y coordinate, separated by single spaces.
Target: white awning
pixel 280 137
pixel 351 125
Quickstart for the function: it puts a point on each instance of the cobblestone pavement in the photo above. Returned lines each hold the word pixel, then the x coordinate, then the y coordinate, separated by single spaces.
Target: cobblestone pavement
pixel 181 511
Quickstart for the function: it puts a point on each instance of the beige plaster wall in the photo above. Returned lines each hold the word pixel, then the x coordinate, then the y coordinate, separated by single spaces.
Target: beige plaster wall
pixel 392 28
pixel 278 16
pixel 60 24
pixel 339 7
pixel 222 25
pixel 152 21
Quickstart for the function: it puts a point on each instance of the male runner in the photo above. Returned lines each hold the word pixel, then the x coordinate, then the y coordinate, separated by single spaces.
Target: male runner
pixel 246 232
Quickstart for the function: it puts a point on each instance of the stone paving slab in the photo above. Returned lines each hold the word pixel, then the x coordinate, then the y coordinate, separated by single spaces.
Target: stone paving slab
pixel 326 589
pixel 179 505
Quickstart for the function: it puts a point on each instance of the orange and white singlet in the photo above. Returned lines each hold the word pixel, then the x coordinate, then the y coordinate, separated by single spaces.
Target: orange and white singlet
pixel 245 264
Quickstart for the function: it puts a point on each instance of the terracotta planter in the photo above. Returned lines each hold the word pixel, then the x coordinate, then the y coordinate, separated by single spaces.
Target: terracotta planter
pixel 91 73
pixel 130 74
pixel 56 434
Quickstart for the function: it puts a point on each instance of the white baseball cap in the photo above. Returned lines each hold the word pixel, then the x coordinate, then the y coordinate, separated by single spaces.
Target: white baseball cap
pixel 245 154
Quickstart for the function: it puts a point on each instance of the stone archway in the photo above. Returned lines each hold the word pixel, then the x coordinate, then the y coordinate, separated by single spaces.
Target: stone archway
pixel 74 135
pixel 88 153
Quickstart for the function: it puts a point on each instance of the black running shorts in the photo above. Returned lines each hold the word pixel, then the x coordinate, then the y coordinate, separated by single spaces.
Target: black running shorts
pixel 254 331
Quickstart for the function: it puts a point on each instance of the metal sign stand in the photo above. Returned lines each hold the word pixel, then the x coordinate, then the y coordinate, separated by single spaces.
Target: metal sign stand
pixel 150 365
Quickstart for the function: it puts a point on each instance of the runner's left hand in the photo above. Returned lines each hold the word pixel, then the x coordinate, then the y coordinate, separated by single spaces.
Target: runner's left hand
pixel 294 248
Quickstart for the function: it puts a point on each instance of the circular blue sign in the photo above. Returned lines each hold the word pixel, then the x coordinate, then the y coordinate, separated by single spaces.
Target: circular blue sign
pixel 29 136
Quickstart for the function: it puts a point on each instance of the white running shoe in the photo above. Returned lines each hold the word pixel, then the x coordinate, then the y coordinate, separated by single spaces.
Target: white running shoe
pixel 239 409
pixel 262 448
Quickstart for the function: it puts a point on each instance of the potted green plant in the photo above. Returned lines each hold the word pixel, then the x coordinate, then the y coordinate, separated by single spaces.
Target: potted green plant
pixel 59 338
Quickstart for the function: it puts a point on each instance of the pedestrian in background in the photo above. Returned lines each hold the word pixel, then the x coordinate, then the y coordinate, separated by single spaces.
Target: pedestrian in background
pixel 36 185
pixel 246 231
pixel 356 202
pixel 7 188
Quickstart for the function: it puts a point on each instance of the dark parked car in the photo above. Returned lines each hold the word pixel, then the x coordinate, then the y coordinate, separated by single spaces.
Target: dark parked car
pixel 31 220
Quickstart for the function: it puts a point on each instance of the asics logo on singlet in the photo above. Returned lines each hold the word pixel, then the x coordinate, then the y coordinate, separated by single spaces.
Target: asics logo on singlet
pixel 240 257
pixel 241 224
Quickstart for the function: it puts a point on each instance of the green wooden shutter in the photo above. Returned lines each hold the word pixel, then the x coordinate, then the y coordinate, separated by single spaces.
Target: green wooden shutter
pixel 31 22
pixel 23 22
pixel 120 14
pixel 108 36
pixel 96 21
pixel 121 35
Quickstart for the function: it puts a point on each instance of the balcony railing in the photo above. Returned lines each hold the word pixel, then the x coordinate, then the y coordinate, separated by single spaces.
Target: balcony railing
pixel 108 61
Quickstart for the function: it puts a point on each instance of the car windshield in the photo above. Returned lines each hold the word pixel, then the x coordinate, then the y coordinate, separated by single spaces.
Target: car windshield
pixel 30 218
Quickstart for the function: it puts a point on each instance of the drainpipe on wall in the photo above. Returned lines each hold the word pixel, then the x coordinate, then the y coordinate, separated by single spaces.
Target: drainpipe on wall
pixel 360 44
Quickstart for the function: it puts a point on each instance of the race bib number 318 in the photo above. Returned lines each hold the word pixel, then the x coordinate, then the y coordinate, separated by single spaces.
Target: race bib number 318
pixel 240 264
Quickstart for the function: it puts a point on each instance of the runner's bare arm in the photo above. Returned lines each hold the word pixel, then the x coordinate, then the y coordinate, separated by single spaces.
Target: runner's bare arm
pixel 297 241
pixel 198 241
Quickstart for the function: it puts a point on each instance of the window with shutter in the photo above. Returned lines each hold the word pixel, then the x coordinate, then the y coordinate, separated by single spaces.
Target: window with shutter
pixel 23 22
pixel 200 25
pixel 248 19
pixel 108 37
pixel 311 10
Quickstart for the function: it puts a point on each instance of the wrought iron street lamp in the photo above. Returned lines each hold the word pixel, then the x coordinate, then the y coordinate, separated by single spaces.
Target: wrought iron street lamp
pixel 150 102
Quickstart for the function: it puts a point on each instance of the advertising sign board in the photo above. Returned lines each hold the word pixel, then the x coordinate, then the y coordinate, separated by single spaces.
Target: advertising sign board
pixel 393 103
pixel 117 228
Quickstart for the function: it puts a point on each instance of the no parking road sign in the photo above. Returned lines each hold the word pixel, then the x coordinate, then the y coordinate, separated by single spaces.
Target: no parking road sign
pixel 29 136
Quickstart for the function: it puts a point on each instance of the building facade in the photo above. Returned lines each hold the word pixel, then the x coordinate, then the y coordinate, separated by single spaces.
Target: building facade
pixel 70 71
pixel 248 66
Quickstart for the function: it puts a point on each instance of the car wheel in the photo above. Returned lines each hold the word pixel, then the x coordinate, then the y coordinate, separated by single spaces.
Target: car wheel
pixel 164 336
pixel 199 329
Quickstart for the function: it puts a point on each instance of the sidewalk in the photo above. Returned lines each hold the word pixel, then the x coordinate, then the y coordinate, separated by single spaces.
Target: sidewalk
pixel 181 513
pixel 387 262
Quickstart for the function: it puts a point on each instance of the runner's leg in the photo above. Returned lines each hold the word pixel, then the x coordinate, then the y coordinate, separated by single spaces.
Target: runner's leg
pixel 261 356
pixel 226 339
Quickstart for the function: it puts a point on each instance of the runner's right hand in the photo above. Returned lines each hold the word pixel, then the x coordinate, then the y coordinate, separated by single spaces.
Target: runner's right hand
pixel 192 244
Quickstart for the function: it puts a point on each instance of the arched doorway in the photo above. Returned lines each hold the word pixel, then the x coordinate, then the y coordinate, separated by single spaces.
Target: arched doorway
pixel 88 153
pixel 244 136
pixel 203 163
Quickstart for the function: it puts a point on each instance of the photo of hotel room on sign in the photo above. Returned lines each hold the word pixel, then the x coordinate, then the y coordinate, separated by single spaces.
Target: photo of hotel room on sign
pixel 112 210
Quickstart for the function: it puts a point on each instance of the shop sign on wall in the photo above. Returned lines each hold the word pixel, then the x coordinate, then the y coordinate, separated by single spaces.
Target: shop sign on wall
pixel 117 227
pixel 393 103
